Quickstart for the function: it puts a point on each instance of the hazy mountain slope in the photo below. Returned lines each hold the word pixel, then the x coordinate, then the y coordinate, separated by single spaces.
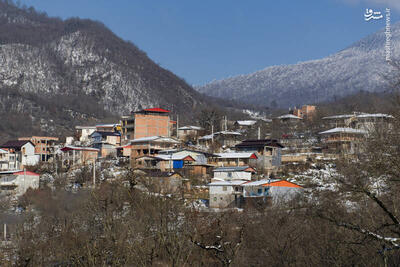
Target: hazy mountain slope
pixel 55 61
pixel 359 67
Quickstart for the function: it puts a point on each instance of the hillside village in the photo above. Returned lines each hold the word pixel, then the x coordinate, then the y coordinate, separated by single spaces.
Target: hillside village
pixel 237 167
pixel 178 133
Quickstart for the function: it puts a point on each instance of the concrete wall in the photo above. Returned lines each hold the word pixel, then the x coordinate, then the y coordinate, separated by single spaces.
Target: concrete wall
pixel 26 181
pixel 283 194
pixel 219 198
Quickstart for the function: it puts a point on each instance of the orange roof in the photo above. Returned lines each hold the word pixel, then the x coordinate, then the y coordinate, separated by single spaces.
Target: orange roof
pixel 282 184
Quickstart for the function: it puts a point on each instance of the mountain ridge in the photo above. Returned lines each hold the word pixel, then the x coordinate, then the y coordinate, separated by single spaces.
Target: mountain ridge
pixel 49 61
pixel 358 67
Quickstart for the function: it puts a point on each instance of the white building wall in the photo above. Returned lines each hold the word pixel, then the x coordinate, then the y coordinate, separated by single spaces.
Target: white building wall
pixel 28 155
pixel 221 196
pixel 24 182
pixel 85 134
pixel 233 175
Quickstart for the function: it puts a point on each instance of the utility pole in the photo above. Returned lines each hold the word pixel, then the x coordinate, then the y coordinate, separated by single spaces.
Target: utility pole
pixel 24 178
pixel 226 123
pixel 5 232
pixel 259 133
pixel 94 173
pixel 212 133
pixel 177 126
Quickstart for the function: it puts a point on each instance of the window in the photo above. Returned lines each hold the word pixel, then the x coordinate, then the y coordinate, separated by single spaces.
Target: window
pixel 230 174
pixel 259 191
pixel 224 188
pixel 215 199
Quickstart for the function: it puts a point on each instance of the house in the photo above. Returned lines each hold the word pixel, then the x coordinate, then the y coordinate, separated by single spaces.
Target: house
pixel 44 146
pixel 223 138
pixel 190 132
pixel 359 120
pixel 106 142
pixel 4 160
pixel 152 145
pixel 176 161
pixel 268 153
pixel 197 168
pixel 199 156
pixel 146 123
pixel 246 124
pixel 113 138
pixel 342 140
pixel 164 182
pixel 224 194
pixel 127 127
pixel 305 112
pixel 21 153
pixel 16 183
pixel 238 193
pixel 278 190
pixel 236 159
pixel 82 133
pixel 202 170
pixel 234 173
pixel 164 162
pixel 73 155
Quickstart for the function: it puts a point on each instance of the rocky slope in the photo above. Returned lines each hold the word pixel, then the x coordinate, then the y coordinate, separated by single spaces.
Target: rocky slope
pixel 72 70
pixel 360 67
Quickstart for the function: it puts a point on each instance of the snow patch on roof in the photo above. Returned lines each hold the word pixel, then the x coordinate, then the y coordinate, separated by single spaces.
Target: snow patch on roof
pixel 246 122
pixel 235 155
pixel 344 130
pixel 289 116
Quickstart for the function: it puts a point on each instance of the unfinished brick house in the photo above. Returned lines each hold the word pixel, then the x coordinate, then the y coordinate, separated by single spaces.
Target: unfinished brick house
pixel 146 123
pixel 44 146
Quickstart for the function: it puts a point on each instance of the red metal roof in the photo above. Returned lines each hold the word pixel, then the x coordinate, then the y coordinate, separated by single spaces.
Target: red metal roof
pixel 157 110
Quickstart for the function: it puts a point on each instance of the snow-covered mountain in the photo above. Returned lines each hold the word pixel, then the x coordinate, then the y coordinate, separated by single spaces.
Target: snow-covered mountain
pixel 65 72
pixel 358 67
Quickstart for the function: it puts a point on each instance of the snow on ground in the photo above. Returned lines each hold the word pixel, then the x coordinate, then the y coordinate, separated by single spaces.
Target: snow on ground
pixel 320 178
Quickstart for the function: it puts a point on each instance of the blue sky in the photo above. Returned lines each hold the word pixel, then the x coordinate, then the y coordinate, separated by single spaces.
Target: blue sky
pixel 213 39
